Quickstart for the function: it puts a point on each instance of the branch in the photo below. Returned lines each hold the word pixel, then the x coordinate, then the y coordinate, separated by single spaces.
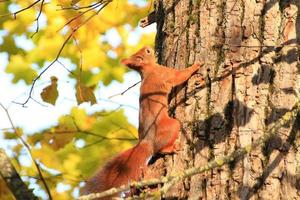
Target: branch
pixel 60 51
pixel 122 93
pixel 29 151
pixel 74 7
pixel 37 19
pixel 66 68
pixel 59 176
pixel 44 70
pixel 94 6
pixel 120 104
pixel 21 10
pixel 94 134
pixel 217 162
pixel 150 19
pixel 13 179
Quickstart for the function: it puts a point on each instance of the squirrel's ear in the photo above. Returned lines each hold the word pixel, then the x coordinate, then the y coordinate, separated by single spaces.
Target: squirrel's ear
pixel 125 61
pixel 148 51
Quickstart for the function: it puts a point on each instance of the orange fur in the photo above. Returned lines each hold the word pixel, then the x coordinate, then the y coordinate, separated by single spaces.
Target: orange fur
pixel 157 81
pixel 124 168
pixel 157 131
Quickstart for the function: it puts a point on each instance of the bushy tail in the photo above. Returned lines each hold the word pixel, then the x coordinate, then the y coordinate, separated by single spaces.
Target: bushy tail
pixel 126 167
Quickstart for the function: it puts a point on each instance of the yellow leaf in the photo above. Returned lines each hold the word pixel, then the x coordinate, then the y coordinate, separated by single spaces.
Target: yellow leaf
pixel 60 195
pixel 93 56
pixel 47 156
pixel 9 45
pixel 47 47
pixel 20 25
pixel 82 120
pixel 70 165
pixel 50 93
pixel 21 68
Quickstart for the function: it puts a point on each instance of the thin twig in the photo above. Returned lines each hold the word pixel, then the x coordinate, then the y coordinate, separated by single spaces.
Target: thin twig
pixel 101 140
pixel 101 136
pixel 29 151
pixel 80 15
pixel 93 143
pixel 124 128
pixel 122 93
pixel 44 70
pixel 37 19
pixel 59 53
pixel 21 10
pixel 57 176
pixel 66 68
pixel 36 101
pixel 6 129
pixel 114 102
pixel 80 60
pixel 93 134
pixel 79 8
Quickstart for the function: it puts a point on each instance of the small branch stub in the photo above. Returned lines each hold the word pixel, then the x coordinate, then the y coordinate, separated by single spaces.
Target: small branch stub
pixel 150 19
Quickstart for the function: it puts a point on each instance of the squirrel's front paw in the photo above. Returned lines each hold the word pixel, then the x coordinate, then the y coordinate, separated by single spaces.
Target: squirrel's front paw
pixel 198 65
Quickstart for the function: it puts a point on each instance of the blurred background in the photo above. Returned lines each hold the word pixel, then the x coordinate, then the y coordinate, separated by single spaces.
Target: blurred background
pixel 63 86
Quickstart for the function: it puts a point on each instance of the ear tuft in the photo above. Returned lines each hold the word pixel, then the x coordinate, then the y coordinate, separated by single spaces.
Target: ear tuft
pixel 125 61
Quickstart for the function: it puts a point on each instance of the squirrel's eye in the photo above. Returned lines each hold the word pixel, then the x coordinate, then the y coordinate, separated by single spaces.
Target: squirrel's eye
pixel 148 51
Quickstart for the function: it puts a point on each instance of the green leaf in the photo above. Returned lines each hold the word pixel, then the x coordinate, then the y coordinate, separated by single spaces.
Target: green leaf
pixel 3 9
pixel 9 45
pixel 21 68
pixel 10 135
pixel 85 94
pixel 13 135
pixel 50 93
pixel 47 156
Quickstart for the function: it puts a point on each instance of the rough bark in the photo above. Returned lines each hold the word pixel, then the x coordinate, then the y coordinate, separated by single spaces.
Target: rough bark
pixel 251 54
pixel 13 180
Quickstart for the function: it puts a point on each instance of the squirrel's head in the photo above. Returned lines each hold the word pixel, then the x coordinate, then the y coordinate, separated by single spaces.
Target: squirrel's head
pixel 143 57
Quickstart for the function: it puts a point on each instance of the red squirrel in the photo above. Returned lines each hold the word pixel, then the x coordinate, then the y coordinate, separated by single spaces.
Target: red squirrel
pixel 157 81
pixel 157 131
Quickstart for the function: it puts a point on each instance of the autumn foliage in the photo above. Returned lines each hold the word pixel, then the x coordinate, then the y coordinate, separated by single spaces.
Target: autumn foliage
pixel 86 39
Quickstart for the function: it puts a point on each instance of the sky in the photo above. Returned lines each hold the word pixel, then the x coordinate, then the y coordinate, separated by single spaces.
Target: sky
pixel 35 117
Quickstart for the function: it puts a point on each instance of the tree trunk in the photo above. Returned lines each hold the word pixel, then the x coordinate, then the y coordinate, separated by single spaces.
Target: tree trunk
pixel 251 54
pixel 13 180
